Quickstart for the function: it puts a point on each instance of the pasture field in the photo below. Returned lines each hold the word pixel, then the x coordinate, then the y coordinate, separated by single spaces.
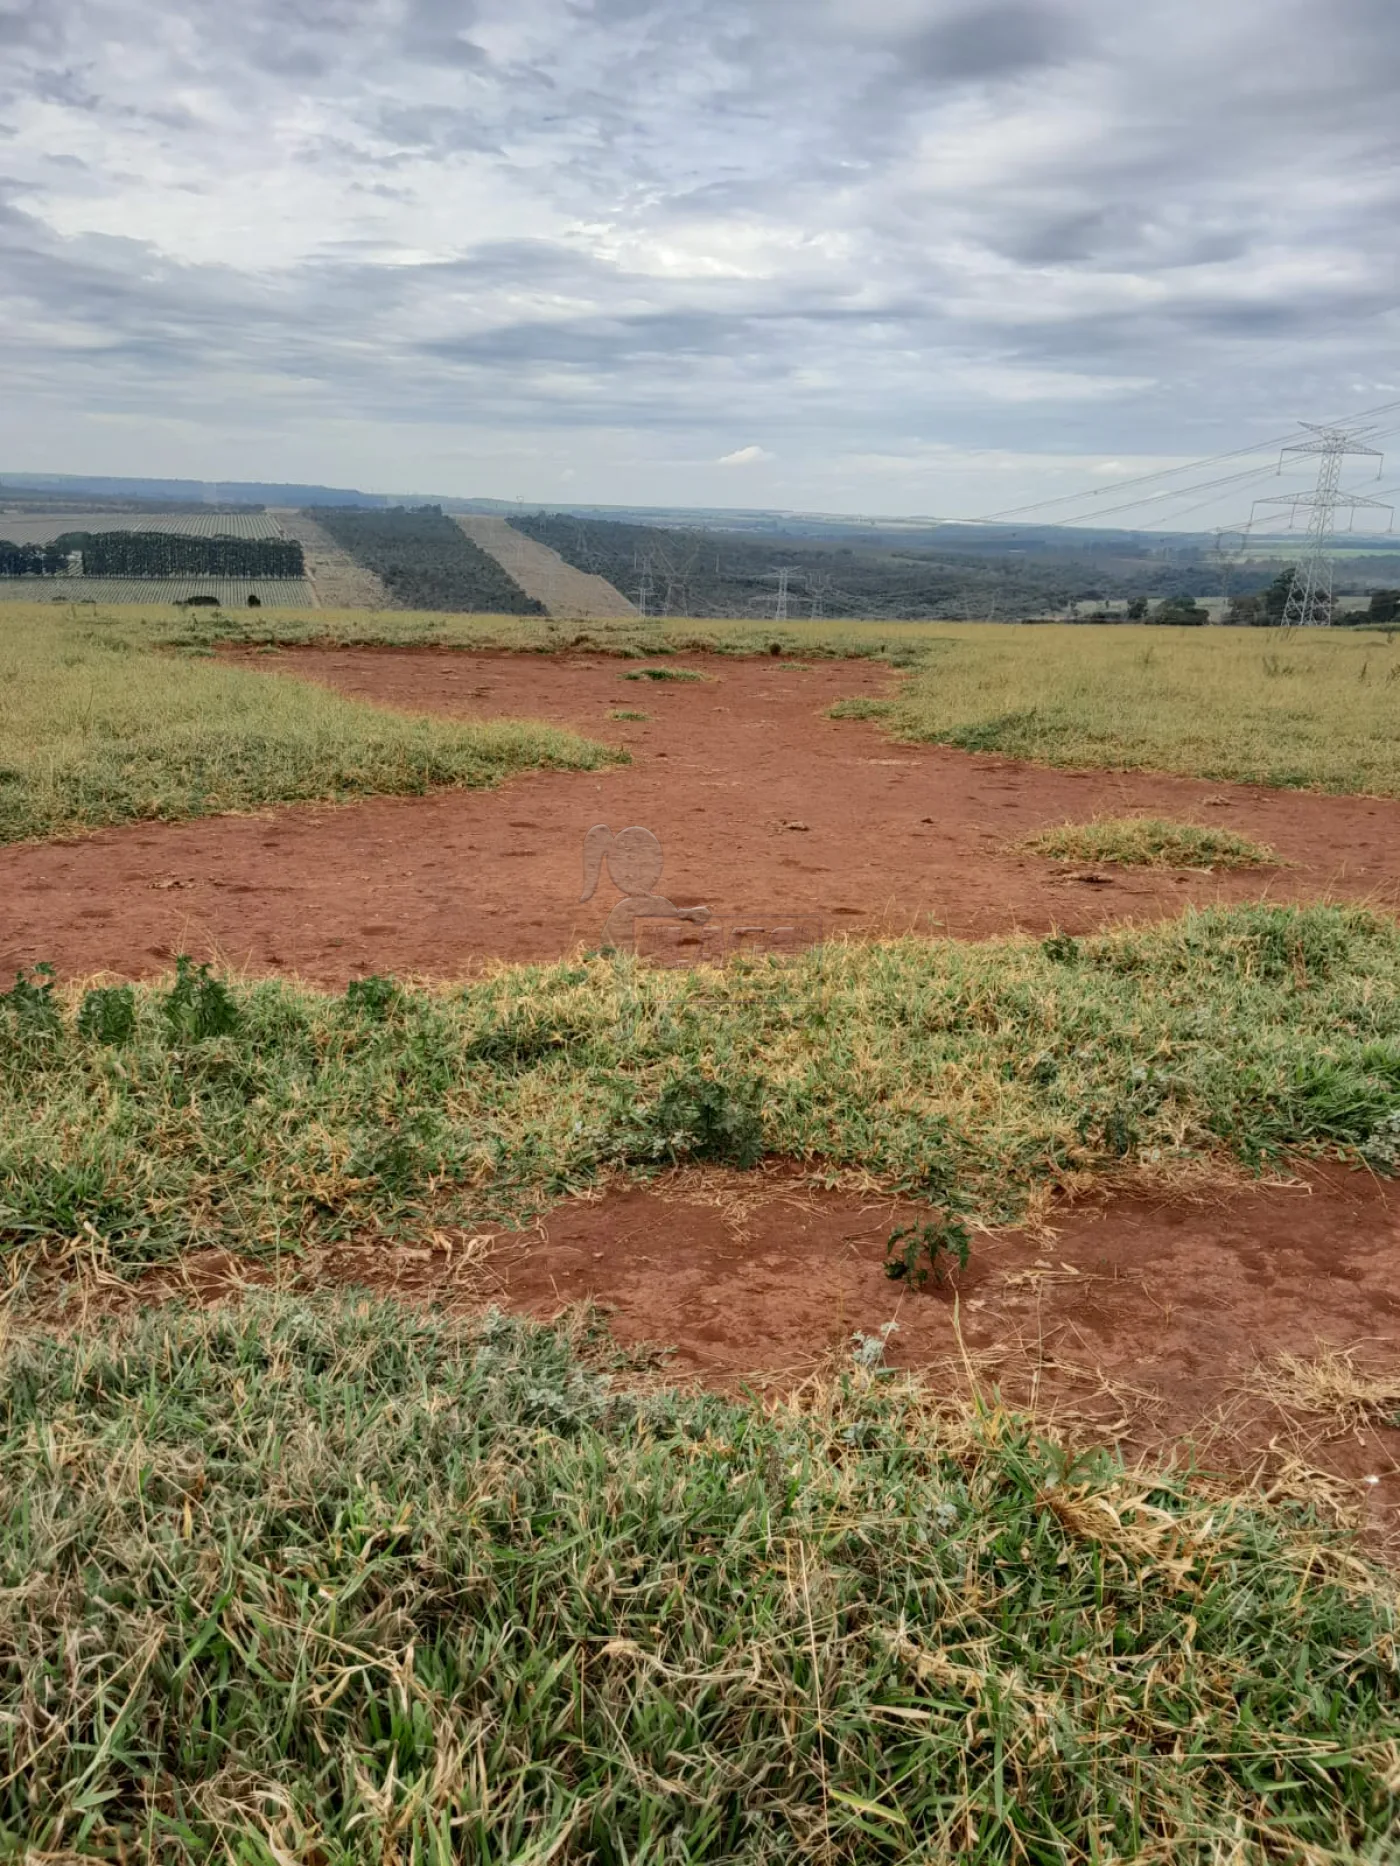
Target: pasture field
pixel 344 1582
pixel 307 1575
pixel 1317 710
pixel 988 1073
pixel 94 731
pixel 81 592
pixel 43 527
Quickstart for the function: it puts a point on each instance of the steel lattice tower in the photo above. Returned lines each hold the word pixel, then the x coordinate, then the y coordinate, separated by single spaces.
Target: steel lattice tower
pixel 1309 603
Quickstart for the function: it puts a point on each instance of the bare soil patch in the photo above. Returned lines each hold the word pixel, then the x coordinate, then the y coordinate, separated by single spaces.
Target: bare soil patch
pixel 1151 1321
pixel 762 804
pixel 1144 1320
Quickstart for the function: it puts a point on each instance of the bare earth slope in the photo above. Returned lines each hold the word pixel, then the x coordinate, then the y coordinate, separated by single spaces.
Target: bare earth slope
pixel 543 574
pixel 338 581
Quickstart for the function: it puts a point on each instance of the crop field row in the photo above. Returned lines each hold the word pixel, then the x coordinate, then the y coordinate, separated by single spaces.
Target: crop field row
pixel 233 592
pixel 44 527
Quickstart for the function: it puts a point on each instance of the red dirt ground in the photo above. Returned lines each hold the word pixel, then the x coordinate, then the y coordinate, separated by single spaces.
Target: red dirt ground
pixel 1139 1321
pixel 1142 1321
pixel 762 805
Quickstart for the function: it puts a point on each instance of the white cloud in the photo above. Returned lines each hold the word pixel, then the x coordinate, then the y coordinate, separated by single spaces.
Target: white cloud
pixel 744 456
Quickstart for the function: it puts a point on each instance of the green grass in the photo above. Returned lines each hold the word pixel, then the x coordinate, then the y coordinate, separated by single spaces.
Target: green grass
pixel 1149 842
pixel 1317 710
pixel 978 1073
pixel 344 1583
pixel 627 712
pixel 97 728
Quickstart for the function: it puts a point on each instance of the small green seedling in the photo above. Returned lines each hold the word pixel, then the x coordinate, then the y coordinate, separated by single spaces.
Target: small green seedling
pixel 108 1014
pixel 31 1003
pixel 373 997
pixel 197 1005
pixel 914 1253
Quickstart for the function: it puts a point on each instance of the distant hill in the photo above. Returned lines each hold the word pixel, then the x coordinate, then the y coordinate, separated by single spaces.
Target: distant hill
pixel 183 492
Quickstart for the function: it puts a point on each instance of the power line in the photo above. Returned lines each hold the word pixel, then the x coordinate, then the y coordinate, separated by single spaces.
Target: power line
pixel 1310 594
pixel 1189 466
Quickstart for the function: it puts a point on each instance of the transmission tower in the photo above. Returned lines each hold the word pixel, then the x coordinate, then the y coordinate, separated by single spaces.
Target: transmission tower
pixel 644 590
pixel 780 605
pixel 1309 603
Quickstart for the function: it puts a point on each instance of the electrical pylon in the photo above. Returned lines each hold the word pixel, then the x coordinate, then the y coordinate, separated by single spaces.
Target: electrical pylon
pixel 1309 603
pixel 780 605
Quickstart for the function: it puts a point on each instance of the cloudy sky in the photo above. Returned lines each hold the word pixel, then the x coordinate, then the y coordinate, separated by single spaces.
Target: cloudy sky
pixel 858 255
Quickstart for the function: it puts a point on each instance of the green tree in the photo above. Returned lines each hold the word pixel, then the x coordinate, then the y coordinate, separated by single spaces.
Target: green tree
pixel 1180 611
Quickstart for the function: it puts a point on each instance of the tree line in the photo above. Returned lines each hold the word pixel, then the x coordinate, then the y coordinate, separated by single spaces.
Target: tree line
pixel 425 560
pixel 153 554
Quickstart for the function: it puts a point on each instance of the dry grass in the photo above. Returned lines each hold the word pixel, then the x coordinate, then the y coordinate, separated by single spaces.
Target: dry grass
pixel 1330 1390
pixel 98 728
pixel 1149 842
pixel 1316 711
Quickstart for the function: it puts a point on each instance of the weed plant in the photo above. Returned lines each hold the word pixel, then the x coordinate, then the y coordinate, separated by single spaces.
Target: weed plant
pixel 97 728
pixel 1149 842
pixel 350 1584
pixel 287 1117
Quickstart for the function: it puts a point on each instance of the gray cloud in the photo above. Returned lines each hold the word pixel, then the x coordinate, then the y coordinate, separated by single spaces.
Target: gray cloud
pixel 454 243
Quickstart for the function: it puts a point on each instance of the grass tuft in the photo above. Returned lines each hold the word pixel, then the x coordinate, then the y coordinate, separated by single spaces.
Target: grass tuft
pixel 96 728
pixel 346 1583
pixel 1149 842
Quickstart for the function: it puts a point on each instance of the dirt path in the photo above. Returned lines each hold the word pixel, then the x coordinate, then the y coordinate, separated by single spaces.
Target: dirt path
pixel 762 804
pixel 543 573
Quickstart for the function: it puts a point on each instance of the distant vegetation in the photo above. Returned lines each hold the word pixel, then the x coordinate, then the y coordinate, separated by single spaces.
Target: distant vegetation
pixel 425 560
pixel 32 560
pixel 155 554
pixel 887 576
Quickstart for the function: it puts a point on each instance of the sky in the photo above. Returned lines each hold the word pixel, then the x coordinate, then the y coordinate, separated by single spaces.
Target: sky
pixel 884 256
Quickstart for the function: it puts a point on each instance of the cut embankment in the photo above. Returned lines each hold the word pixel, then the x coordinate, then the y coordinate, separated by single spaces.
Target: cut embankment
pixel 339 1581
pixel 97 732
pixel 262 1118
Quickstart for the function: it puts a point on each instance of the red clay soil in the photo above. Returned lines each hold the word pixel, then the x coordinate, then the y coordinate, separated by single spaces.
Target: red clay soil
pixel 1143 1322
pixel 1140 1320
pixel 762 804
